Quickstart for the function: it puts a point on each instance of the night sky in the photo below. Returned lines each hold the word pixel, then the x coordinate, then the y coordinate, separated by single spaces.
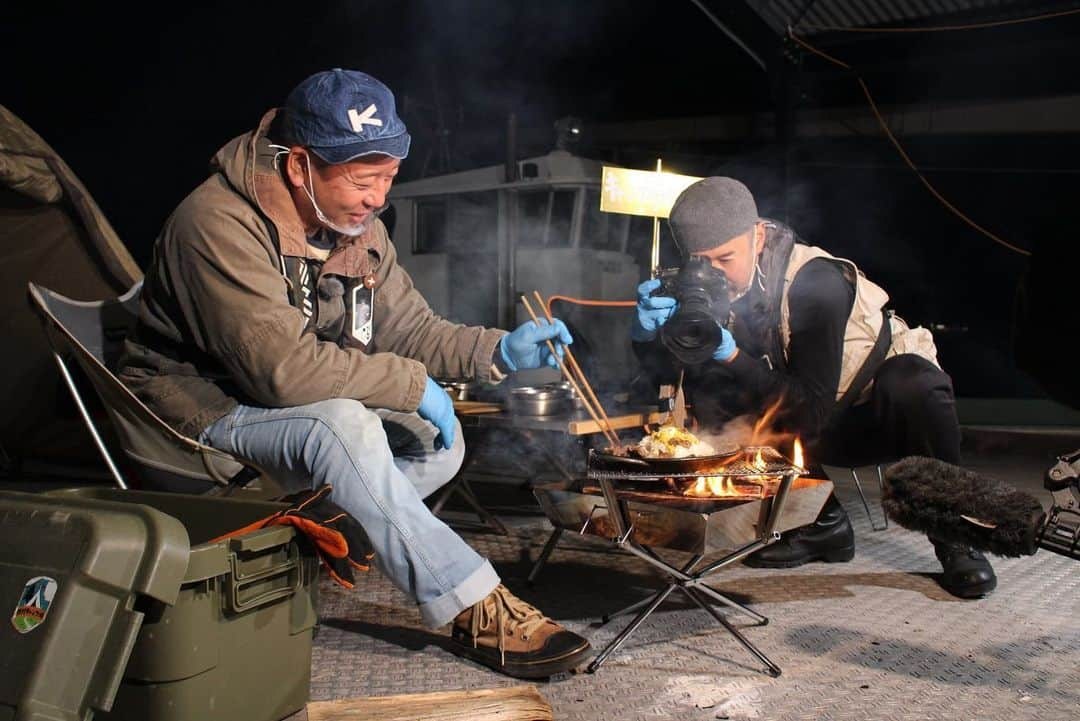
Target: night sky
pixel 138 113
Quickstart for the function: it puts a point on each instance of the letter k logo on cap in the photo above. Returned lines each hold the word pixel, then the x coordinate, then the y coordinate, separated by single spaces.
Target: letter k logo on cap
pixel 357 120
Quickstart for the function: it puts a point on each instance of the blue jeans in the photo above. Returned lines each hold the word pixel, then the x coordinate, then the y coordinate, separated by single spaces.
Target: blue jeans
pixel 381 464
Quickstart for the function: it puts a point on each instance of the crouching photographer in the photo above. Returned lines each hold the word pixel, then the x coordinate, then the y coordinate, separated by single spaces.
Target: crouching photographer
pixel 802 330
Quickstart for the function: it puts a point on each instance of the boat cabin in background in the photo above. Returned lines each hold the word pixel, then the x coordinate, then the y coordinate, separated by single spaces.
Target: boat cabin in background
pixel 477 240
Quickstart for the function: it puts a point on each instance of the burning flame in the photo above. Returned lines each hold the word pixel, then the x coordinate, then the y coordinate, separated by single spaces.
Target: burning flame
pixel 764 423
pixel 713 486
pixel 764 441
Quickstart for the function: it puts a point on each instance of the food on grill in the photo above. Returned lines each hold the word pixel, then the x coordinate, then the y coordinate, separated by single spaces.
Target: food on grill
pixel 673 442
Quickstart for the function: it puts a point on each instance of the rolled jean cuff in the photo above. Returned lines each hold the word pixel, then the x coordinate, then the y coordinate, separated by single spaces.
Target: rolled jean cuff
pixel 475 588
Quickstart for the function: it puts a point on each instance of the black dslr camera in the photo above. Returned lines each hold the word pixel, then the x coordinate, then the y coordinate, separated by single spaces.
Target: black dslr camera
pixel 693 332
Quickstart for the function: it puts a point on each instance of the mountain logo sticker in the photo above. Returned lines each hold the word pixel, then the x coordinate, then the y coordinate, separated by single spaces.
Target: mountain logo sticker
pixel 33 606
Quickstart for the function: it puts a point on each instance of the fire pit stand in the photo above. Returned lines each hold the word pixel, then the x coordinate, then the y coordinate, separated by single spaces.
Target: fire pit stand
pixel 701 526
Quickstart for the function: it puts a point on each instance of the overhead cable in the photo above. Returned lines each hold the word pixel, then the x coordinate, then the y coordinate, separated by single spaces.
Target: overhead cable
pixel 938 28
pixel 900 149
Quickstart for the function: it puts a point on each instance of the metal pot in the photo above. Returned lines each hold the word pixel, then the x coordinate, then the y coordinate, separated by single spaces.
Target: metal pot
pixel 575 400
pixel 546 400
pixel 460 390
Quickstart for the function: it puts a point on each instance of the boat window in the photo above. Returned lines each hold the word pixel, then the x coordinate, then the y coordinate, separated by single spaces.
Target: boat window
pixel 473 222
pixel 600 230
pixel 545 218
pixel 430 236
pixel 639 242
pixel 562 216
pixel 532 218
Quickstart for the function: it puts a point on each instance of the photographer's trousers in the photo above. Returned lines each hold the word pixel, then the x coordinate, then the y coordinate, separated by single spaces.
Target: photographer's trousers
pixel 911 412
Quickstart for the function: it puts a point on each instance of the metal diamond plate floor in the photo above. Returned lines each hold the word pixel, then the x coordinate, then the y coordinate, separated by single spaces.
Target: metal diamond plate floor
pixel 875 638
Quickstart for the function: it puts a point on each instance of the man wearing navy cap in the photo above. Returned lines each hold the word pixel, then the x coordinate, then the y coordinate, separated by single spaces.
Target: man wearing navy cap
pixel 276 324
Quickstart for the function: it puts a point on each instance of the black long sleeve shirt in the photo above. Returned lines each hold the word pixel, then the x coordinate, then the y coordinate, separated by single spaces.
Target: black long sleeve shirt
pixel 820 301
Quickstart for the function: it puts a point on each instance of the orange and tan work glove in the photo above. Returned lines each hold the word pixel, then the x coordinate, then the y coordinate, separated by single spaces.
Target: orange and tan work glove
pixel 341 543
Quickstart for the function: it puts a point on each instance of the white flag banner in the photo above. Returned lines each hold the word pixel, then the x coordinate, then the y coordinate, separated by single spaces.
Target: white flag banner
pixel 641 192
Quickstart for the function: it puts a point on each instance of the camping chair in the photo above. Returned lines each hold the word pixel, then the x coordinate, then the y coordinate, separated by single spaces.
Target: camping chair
pixel 854 471
pixel 92 333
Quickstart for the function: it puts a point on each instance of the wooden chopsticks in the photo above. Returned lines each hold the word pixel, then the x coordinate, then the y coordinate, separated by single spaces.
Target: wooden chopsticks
pixel 580 373
pixel 586 400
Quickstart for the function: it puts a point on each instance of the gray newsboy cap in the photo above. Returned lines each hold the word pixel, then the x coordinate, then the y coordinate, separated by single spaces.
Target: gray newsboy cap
pixel 711 212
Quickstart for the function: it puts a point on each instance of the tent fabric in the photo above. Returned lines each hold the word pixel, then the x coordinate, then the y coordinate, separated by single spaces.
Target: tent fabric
pixel 54 234
pixel 23 165
pixel 29 166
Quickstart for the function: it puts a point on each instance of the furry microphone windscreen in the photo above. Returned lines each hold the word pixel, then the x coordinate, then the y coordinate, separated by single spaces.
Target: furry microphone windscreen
pixel 953 504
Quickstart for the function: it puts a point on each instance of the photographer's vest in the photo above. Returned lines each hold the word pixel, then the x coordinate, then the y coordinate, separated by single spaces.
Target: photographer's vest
pixel 864 327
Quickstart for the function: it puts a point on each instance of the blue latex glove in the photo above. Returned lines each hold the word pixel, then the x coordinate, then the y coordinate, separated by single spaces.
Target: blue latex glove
pixel 651 312
pixel 437 408
pixel 726 350
pixel 525 347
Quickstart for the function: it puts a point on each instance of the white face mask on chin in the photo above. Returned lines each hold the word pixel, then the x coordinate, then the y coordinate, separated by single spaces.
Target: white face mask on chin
pixel 350 231
pixel 753 273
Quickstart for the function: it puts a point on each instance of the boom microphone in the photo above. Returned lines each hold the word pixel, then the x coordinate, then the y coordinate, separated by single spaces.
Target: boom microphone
pixel 954 504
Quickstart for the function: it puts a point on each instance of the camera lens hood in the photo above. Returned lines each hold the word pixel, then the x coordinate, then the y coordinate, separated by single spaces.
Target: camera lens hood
pixel 691 335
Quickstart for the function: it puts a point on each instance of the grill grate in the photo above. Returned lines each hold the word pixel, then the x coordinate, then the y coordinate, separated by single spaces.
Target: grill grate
pixel 772 467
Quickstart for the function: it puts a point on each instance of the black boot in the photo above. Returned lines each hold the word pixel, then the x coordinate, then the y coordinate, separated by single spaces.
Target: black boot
pixel 967 572
pixel 830 538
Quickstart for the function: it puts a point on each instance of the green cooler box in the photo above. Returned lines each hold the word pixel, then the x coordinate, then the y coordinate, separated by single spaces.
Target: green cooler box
pixel 120 607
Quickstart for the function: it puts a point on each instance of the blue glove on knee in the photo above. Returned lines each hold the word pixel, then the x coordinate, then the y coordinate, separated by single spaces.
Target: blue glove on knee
pixel 437 408
pixel 525 347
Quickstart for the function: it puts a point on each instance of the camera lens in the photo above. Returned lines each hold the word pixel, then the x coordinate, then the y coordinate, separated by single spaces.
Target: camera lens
pixel 694 331
pixel 691 335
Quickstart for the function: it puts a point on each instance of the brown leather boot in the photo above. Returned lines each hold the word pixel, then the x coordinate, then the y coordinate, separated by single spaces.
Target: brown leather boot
pixel 507 634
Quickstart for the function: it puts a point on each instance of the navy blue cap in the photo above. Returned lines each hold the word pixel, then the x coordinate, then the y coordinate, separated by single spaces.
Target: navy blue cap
pixel 344 114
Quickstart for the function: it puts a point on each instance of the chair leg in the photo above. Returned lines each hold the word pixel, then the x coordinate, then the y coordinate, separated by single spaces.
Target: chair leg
pixel 89 422
pixel 545 554
pixel 862 497
pixel 881 489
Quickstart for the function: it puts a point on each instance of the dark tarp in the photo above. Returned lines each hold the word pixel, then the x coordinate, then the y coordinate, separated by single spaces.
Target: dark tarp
pixel 52 233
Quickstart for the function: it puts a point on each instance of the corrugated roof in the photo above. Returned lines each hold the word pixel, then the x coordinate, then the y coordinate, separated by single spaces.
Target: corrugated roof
pixel 810 17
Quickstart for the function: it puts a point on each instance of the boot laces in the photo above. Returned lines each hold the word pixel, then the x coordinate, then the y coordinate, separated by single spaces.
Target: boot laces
pixel 508 613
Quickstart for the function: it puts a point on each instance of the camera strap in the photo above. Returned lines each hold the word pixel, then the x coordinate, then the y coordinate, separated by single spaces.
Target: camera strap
pixel 869 367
